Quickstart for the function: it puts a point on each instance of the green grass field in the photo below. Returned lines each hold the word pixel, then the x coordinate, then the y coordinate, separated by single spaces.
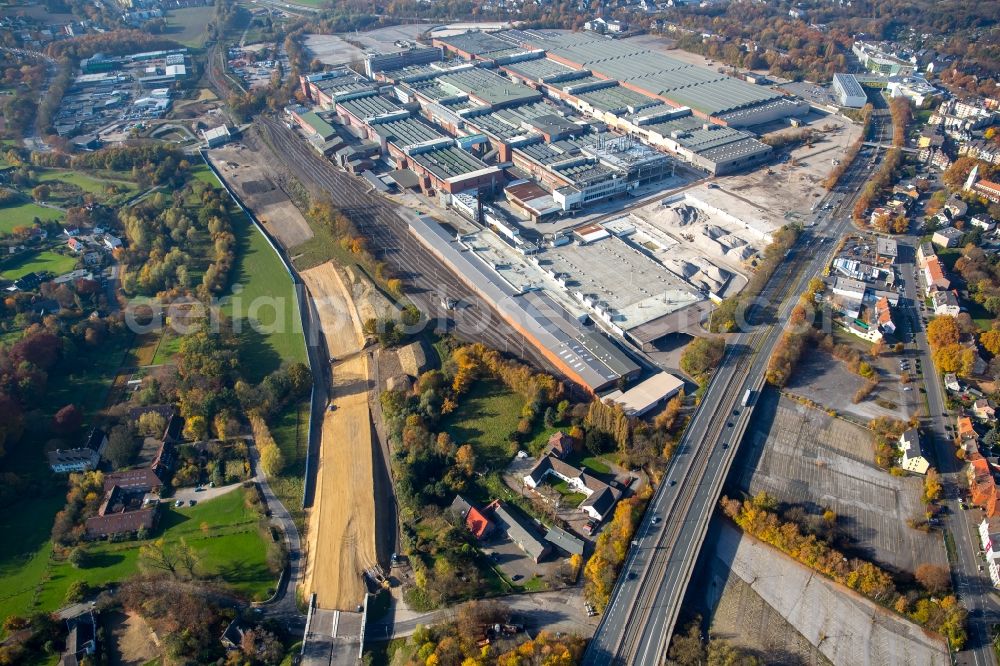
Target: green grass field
pixel 85 182
pixel 222 531
pixel 203 173
pixel 23 215
pixel 28 262
pixel 485 418
pixel 267 297
pixel 291 432
pixel 189 26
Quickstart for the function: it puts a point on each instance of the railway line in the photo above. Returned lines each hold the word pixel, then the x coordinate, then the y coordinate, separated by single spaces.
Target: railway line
pixel 378 220
pixel 646 601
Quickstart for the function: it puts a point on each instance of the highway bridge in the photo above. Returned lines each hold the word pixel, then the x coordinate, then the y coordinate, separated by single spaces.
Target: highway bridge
pixel 642 614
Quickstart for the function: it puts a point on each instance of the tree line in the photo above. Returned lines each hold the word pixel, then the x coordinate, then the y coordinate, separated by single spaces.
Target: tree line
pixel 757 516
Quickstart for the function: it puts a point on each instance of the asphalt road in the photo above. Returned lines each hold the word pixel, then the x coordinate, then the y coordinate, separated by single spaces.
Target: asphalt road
pixel 972 585
pixel 640 618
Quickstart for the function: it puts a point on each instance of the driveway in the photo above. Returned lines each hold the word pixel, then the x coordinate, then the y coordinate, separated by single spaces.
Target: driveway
pixel 559 610
pixel 187 494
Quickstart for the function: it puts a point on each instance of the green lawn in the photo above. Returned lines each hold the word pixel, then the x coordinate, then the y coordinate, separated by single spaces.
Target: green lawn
pixel 203 173
pixel 189 26
pixel 85 182
pixel 23 215
pixel 92 371
pixel 571 496
pixel 291 432
pixel 28 262
pixel 266 296
pixel 223 532
pixel 170 344
pixel 485 418
pixel 24 555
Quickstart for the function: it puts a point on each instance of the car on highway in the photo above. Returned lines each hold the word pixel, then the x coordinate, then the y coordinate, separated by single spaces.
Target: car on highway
pixel 631 575
pixel 673 482
pixel 656 520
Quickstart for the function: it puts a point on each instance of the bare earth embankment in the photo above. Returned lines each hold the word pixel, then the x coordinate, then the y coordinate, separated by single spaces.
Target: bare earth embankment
pixel 342 520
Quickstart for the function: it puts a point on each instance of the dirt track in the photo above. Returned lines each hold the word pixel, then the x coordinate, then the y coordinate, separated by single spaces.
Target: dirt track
pixel 341 541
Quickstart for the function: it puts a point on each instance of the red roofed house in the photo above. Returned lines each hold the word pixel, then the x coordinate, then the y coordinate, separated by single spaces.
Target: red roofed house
pixel 478 524
pixel 983 489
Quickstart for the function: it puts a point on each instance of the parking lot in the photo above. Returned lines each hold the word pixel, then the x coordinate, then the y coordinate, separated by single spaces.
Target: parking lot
pixel 805 457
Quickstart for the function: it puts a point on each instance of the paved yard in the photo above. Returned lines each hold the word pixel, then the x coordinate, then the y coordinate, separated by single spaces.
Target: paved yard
pixel 802 455
pixel 826 381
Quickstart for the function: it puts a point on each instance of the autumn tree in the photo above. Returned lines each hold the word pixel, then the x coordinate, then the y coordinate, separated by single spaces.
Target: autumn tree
pixel 67 420
pixel 942 331
pixel 935 578
pixel 932 485
pixel 702 355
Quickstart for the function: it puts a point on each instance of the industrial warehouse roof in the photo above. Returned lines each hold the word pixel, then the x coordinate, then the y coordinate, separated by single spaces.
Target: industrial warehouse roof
pixel 407 132
pixel 367 107
pixel 489 87
pixel 543 69
pixel 594 360
pixel 699 88
pixel 850 84
pixel 481 44
pixel 323 128
pixel 508 124
pixel 646 394
pixel 618 100
pixel 448 162
pixel 713 141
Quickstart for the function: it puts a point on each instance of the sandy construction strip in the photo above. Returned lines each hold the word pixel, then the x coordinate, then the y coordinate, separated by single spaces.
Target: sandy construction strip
pixel 341 531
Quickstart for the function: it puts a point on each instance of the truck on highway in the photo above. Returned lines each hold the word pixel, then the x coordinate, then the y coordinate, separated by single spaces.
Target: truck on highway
pixel 747 397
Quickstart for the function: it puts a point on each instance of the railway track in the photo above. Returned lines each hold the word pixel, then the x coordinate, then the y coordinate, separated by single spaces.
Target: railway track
pixel 377 220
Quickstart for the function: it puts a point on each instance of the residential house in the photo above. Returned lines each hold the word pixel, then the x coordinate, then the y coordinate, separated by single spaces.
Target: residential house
pixel 121 513
pixel 989 538
pixel 112 242
pixel 569 544
pixel 143 479
pixel 934 275
pixel 560 445
pixel 74 244
pixel 947 237
pixel 925 252
pixel 914 459
pixel 951 382
pixel 81 639
pixel 81 459
pixel 601 498
pixel 92 258
pixel 477 523
pixel 984 222
pixel 886 251
pixel 983 410
pixel 519 531
pixel 945 303
pixel 883 317
pixel 966 431
pixel 983 489
pixel 232 637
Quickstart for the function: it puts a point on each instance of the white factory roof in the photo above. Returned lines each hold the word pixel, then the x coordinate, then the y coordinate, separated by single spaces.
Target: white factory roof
pixel 646 394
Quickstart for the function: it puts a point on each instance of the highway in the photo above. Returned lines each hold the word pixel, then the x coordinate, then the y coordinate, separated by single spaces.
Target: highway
pixel 641 616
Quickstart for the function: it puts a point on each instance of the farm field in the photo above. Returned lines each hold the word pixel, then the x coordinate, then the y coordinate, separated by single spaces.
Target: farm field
pixel 223 532
pixel 23 215
pixel 189 26
pixel 30 262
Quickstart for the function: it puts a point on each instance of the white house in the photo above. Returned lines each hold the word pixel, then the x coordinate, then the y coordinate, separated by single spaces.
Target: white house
pixel 985 223
pixel 601 498
pixel 947 237
pixel 989 536
pixel 945 303
pixel 913 455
